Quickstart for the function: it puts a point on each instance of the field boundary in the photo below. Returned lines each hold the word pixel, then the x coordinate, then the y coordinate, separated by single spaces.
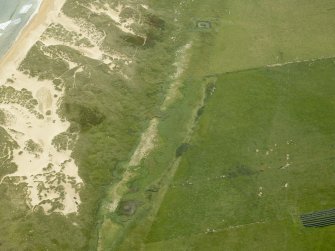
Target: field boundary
pixel 272 66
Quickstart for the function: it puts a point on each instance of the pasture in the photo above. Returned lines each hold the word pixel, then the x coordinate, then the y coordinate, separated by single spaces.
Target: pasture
pixel 261 155
pixel 259 148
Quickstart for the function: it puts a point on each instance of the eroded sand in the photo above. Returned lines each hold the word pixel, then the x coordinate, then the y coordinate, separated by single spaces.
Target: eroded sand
pixel 146 144
pixel 51 175
pixel 180 64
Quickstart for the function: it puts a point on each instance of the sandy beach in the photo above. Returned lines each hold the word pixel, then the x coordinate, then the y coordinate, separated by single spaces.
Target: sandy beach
pixel 48 11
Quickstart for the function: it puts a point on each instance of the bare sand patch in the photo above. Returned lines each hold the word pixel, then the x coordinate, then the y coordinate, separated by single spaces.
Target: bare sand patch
pixel 51 175
pixel 180 65
pixel 115 15
pixel 94 36
pixel 146 144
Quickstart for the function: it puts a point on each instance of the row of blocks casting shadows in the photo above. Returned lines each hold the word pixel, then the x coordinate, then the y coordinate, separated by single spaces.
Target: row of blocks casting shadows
pixel 319 219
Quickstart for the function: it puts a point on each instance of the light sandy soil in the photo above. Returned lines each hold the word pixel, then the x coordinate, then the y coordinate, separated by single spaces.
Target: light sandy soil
pixel 61 182
pixel 117 191
pixel 181 62
pixel 114 14
pixel 90 32
pixel 146 144
pixel 23 125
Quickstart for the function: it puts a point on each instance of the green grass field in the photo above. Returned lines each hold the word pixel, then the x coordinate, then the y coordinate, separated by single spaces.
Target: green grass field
pixel 261 155
pixel 252 34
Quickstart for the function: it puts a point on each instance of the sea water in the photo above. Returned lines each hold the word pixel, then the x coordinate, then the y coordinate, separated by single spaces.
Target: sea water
pixel 14 15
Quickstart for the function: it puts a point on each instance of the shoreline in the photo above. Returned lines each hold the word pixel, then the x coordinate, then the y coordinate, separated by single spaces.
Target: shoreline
pixel 29 35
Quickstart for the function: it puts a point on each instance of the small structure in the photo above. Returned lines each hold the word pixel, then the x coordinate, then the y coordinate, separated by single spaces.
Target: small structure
pixel 204 25
pixel 319 219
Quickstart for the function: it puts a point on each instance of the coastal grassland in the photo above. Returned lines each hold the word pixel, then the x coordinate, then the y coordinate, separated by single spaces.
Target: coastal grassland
pixel 251 34
pixel 222 181
pixel 125 230
pixel 107 107
pixel 261 155
pixel 243 35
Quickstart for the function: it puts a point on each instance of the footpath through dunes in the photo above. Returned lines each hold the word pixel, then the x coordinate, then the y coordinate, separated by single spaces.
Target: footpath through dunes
pixel 256 61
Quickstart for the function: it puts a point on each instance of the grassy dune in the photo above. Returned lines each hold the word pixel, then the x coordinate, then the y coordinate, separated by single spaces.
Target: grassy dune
pixel 108 101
